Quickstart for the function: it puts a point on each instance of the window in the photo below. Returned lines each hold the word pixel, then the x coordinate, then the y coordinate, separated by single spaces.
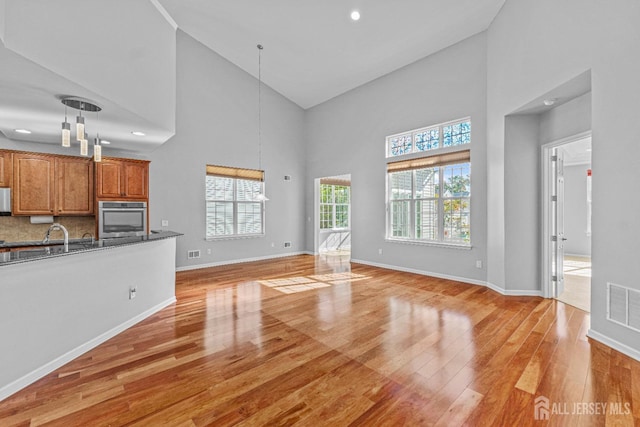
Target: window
pixel 429 199
pixel 334 205
pixel 232 206
pixel 430 138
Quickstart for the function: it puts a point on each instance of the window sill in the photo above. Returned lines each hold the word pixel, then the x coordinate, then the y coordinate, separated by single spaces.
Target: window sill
pixel 427 243
pixel 234 237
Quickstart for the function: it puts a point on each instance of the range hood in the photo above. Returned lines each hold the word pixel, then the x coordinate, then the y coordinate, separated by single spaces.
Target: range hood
pixel 5 201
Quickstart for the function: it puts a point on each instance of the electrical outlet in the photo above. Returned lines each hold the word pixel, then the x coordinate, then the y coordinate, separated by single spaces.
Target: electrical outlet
pixel 273 245
pixel 478 264
pixel 209 251
pixel 132 292
pixel 379 251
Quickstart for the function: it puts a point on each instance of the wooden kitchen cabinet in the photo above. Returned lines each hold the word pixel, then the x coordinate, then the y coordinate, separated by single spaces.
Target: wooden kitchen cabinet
pixel 52 185
pixel 74 186
pixel 122 179
pixel 33 184
pixel 6 167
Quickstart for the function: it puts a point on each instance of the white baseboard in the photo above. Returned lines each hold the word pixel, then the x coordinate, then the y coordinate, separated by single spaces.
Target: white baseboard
pixel 238 261
pixel 507 292
pixel 49 367
pixel 515 292
pixel 421 272
pixel 616 345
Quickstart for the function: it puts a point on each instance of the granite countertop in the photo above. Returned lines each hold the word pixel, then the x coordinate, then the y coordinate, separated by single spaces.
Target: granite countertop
pixel 55 248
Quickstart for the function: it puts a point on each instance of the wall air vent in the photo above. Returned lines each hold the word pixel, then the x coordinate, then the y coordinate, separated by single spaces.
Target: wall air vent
pixel 623 306
pixel 193 254
pixel 287 244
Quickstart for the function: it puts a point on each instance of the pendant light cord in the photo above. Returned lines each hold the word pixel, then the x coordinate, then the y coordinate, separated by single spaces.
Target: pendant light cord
pixel 260 106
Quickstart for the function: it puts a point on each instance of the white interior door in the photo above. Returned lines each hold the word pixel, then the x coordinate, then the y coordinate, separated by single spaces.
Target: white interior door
pixel 557 222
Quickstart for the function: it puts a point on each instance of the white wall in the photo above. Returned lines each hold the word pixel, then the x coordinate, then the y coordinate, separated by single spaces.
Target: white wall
pixel 524 136
pixel 216 123
pixel 53 310
pixel 347 135
pixel 522 201
pixel 575 211
pixel 534 47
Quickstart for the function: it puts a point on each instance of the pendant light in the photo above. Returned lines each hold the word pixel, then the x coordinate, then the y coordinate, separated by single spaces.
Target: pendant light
pixel 97 148
pixel 84 146
pixel 81 105
pixel 260 197
pixel 80 125
pixel 66 130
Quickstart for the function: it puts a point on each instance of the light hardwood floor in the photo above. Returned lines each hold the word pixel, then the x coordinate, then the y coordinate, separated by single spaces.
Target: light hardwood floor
pixel 319 341
pixel 577 282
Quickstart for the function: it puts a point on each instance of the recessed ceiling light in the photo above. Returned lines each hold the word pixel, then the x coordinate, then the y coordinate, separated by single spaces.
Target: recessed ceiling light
pixel 105 142
pixel 22 130
pixel 550 101
pixel 138 133
pixel 355 15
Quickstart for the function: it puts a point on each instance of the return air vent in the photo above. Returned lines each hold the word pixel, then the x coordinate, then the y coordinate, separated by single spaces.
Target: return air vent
pixel 623 306
pixel 193 254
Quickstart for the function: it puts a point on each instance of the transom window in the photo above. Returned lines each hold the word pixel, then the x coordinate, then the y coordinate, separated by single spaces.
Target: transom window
pixel 430 138
pixel 233 207
pixel 334 206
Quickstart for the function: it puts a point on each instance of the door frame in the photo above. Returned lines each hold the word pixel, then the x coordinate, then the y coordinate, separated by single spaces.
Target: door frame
pixel 316 209
pixel 547 184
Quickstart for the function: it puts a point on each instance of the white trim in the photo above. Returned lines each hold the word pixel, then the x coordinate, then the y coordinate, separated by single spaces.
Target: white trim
pixel 491 286
pixel 547 285
pixel 165 14
pixel 239 261
pixel 616 345
pixel 49 367
pixel 429 243
pixel 421 272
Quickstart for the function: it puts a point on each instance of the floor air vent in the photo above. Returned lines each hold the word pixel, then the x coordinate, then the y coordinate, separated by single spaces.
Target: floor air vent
pixel 193 254
pixel 623 306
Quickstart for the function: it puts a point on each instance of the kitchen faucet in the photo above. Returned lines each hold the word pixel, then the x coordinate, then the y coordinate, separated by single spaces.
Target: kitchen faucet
pixel 57 226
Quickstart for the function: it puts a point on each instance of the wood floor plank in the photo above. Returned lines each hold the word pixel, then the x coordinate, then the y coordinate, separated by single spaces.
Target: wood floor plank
pixel 320 341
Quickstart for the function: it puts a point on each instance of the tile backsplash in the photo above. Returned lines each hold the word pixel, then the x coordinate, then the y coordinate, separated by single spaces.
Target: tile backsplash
pixel 20 229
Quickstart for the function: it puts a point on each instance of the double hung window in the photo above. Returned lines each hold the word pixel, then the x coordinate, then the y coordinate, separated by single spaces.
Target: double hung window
pixel 334 206
pixel 232 203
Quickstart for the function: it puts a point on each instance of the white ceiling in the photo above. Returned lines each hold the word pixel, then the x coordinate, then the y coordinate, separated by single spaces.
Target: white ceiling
pixel 312 53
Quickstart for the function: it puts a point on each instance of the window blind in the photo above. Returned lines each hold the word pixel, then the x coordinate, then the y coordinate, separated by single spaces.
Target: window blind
pixel 231 172
pixel 430 161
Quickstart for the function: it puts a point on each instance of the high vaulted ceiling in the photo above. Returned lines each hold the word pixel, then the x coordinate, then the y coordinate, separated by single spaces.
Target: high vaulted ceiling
pixel 312 52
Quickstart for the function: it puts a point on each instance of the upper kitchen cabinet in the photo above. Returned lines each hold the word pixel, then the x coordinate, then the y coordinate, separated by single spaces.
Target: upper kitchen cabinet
pixel 74 186
pixel 33 184
pixel 52 185
pixel 5 168
pixel 122 179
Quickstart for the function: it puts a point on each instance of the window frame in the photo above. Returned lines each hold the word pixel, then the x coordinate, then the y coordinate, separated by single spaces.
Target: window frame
pixel 435 157
pixel 439 199
pixel 427 129
pixel 236 175
pixel 333 204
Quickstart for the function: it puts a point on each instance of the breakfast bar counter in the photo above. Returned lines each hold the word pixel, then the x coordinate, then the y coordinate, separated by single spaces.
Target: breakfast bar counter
pixel 56 305
pixel 17 252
